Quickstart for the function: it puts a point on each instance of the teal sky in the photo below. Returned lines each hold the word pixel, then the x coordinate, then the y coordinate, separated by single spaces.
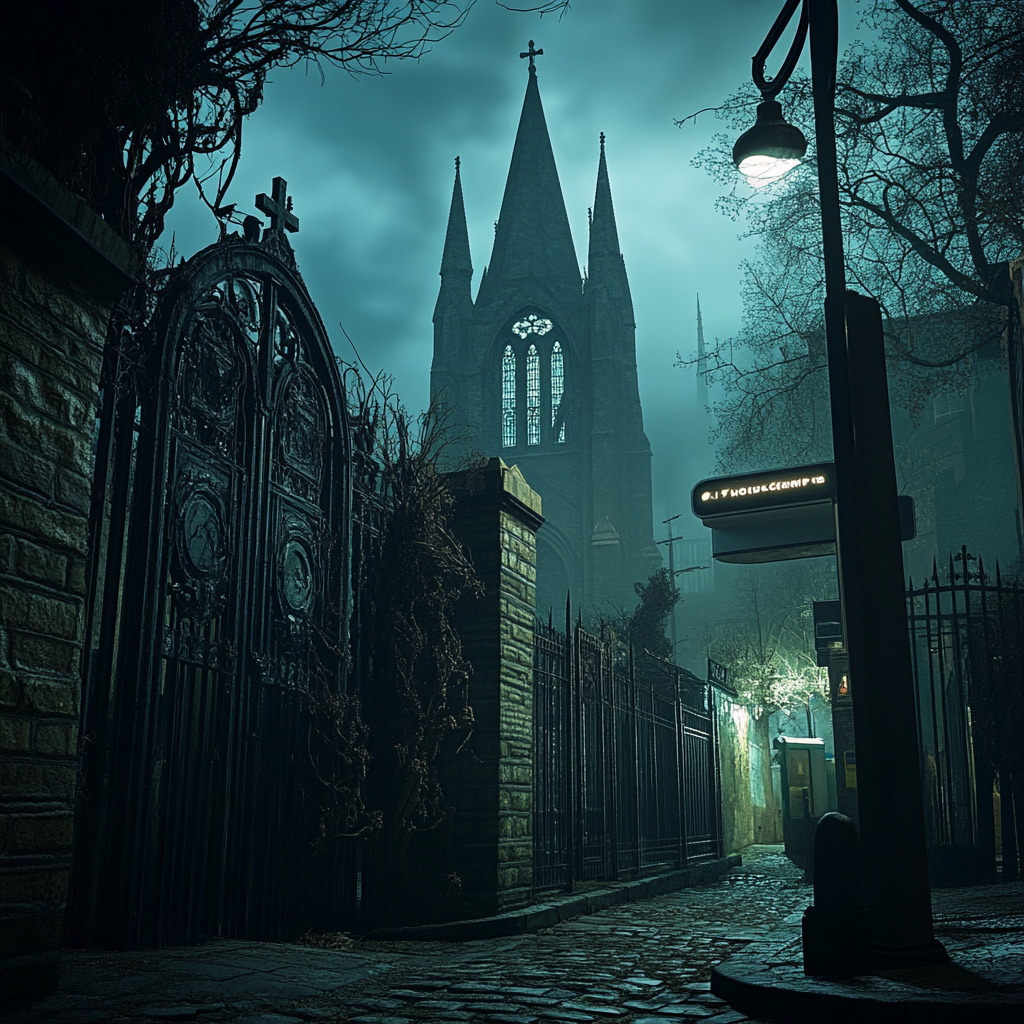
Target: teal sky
pixel 370 161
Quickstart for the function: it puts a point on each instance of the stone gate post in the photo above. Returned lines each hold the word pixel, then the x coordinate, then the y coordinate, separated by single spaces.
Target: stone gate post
pixel 497 517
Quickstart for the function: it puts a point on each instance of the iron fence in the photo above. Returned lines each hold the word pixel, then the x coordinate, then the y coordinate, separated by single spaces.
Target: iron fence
pixel 967 640
pixel 625 762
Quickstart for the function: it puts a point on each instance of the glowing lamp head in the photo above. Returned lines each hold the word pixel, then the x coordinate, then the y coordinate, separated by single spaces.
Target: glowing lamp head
pixel 764 153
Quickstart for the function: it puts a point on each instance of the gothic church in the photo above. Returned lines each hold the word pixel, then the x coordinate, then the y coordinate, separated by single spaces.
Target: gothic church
pixel 541 371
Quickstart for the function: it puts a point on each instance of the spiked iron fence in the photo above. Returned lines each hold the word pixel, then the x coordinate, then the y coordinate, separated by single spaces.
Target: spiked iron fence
pixel 967 644
pixel 625 762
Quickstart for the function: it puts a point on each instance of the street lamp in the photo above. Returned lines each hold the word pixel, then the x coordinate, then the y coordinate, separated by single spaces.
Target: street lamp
pixel 773 147
pixel 868 548
pixel 770 149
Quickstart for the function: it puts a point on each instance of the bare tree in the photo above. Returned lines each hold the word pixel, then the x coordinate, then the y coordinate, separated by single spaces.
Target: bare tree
pixel 126 102
pixel 929 132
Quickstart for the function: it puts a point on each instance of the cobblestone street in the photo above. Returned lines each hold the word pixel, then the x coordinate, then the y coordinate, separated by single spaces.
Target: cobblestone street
pixel 640 962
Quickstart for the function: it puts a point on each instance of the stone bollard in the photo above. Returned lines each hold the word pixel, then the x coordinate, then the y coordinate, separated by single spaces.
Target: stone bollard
pixel 836 932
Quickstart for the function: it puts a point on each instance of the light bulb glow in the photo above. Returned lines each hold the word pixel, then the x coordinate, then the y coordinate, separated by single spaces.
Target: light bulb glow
pixel 761 170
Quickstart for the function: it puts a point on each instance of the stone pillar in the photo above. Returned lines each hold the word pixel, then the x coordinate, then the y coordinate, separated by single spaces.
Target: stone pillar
pixel 61 270
pixel 497 517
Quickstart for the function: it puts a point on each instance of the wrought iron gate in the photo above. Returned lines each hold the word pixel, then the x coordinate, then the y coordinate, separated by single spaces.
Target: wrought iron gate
pixel 220 590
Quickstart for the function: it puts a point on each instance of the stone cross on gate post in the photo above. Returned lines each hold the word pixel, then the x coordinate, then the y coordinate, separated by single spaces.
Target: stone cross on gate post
pixel 531 53
pixel 278 208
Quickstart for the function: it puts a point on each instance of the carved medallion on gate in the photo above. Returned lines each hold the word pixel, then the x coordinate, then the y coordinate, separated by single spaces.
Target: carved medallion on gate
pixel 201 541
pixel 298 577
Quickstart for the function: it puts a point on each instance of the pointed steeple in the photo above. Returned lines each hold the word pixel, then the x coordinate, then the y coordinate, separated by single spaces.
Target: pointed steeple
pixel 702 364
pixel 606 270
pixel 532 240
pixel 456 265
pixel 604 237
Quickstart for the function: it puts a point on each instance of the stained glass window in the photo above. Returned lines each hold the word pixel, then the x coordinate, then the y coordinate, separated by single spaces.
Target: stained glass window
pixel 508 398
pixel 532 396
pixel 557 388
pixel 532 324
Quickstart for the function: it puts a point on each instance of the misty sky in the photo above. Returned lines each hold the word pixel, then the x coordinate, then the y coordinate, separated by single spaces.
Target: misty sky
pixel 369 162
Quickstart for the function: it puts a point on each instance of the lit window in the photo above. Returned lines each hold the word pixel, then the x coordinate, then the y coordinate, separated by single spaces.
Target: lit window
pixel 557 389
pixel 508 398
pixel 532 396
pixel 532 324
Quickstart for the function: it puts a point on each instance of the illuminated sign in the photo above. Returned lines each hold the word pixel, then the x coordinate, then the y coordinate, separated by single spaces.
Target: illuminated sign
pixel 763 491
pixel 769 516
pixel 778 514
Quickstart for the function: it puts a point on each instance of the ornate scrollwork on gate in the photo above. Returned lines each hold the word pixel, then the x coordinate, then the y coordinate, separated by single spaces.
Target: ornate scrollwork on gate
pixel 302 434
pixel 210 379
pixel 201 542
pixel 246 300
pixel 298 578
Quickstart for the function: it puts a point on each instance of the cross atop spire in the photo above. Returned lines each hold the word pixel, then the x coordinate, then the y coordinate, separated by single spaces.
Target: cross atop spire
pixel 278 208
pixel 531 53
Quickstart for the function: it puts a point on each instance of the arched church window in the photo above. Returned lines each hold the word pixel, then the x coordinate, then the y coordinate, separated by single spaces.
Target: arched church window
pixel 557 390
pixel 508 398
pixel 532 396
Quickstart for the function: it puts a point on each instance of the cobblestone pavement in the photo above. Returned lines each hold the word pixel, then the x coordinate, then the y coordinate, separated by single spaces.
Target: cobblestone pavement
pixel 641 962
pixel 636 962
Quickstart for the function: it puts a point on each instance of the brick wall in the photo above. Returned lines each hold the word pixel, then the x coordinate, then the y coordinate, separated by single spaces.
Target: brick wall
pixel 497 518
pixel 61 269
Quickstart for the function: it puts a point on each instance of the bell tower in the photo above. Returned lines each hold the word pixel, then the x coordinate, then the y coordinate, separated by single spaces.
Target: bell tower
pixel 541 371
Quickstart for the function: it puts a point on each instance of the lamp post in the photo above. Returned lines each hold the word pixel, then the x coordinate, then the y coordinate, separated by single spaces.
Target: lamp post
pixel 868 547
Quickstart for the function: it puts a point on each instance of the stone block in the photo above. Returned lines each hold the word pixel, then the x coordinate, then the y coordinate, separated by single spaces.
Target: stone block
pixel 45 390
pixel 28 469
pixel 22 609
pixel 73 490
pixel 48 697
pixel 10 690
pixel 34 885
pixel 40 563
pixel 76 577
pixel 80 376
pixel 38 781
pixel 45 653
pixel 514 826
pixel 15 735
pixel 517 774
pixel 56 739
pixel 37 833
pixel 62 529
pixel 36 432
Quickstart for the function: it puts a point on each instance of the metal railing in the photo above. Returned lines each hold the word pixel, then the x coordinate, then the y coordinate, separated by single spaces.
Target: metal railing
pixel 967 640
pixel 626 777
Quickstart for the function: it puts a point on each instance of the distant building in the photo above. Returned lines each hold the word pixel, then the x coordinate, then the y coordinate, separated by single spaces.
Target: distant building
pixel 541 371
pixel 958 460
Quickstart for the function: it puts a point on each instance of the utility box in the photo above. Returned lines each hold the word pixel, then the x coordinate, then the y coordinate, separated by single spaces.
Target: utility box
pixel 805 794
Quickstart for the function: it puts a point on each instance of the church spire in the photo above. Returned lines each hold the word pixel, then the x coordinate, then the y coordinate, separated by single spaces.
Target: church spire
pixel 702 363
pixel 604 237
pixel 606 271
pixel 532 241
pixel 455 262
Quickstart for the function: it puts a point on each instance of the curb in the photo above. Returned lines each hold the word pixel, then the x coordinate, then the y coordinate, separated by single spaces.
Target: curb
pixel 557 909
pixel 762 983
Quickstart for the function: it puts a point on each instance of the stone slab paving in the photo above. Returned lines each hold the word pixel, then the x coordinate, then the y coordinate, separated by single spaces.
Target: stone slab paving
pixel 981 928
pixel 641 963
